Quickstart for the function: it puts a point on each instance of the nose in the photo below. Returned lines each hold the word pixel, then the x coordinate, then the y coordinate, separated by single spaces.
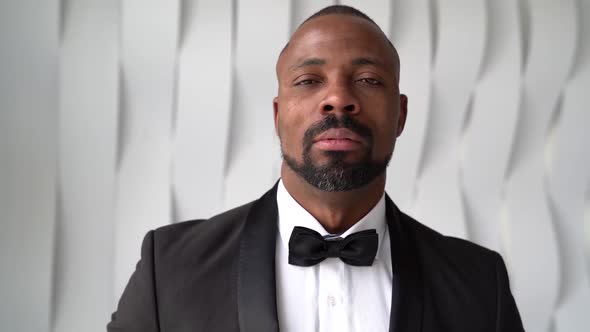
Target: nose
pixel 340 98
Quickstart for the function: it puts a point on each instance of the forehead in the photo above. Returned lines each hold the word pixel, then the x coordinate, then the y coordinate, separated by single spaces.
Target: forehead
pixel 338 37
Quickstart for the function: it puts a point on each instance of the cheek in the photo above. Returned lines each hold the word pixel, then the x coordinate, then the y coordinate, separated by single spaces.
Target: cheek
pixel 385 132
pixel 292 126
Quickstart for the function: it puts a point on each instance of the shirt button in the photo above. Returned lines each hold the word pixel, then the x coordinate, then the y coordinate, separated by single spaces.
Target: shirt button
pixel 331 301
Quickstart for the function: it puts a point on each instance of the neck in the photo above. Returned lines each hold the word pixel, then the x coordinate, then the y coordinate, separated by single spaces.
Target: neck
pixel 335 211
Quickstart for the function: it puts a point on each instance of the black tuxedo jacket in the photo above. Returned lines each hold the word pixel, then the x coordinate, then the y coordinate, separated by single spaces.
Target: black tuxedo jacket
pixel 219 275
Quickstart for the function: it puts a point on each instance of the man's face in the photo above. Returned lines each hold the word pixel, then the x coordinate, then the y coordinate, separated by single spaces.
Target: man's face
pixel 339 110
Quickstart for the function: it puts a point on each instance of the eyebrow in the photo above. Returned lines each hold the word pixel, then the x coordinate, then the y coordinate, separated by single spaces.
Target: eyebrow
pixel 309 62
pixel 366 61
pixel 318 62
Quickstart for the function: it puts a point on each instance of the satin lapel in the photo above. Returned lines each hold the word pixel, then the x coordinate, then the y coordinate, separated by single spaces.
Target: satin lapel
pixel 407 287
pixel 257 309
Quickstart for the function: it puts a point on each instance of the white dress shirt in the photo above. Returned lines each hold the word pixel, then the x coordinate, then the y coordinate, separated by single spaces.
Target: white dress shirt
pixel 332 295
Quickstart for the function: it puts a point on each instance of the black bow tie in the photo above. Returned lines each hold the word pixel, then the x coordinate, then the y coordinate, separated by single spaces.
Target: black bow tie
pixel 307 247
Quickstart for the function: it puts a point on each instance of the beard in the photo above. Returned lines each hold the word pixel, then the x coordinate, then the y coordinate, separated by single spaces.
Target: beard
pixel 337 175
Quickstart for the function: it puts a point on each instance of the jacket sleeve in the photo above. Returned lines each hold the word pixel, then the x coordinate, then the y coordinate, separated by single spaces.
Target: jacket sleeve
pixel 508 318
pixel 137 309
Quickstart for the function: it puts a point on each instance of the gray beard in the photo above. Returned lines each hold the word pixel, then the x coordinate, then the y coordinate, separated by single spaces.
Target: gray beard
pixel 337 175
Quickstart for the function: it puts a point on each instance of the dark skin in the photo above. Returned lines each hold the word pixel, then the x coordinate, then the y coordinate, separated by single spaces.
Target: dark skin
pixel 337 64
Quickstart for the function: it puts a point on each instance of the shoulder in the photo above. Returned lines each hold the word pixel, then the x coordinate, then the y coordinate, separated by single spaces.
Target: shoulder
pixel 428 238
pixel 443 257
pixel 460 276
pixel 199 233
pixel 228 219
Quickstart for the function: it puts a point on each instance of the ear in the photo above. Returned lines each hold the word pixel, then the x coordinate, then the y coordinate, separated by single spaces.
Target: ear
pixel 403 113
pixel 275 106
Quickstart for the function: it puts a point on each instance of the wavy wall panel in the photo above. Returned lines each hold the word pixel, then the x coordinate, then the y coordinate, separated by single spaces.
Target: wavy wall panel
pixel 535 277
pixel 453 78
pixel 490 128
pixel 149 38
pixel 201 126
pixel 411 32
pixel 568 180
pixel 29 43
pixel 378 10
pixel 88 95
pixel 302 9
pixel 120 117
pixel 254 154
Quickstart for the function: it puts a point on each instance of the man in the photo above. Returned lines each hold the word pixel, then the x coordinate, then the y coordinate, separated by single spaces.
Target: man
pixel 325 249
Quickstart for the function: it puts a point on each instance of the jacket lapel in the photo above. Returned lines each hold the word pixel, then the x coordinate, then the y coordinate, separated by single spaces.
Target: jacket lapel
pixel 257 309
pixel 407 286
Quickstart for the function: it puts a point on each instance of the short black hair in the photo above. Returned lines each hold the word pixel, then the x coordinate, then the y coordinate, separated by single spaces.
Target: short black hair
pixel 342 10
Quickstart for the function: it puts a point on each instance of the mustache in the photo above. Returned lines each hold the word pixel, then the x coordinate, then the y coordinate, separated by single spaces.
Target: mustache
pixel 330 122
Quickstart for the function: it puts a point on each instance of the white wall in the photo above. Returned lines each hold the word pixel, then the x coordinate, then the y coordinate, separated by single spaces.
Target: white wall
pixel 117 117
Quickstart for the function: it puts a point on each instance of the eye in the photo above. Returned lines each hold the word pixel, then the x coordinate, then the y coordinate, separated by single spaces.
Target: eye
pixel 308 81
pixel 370 81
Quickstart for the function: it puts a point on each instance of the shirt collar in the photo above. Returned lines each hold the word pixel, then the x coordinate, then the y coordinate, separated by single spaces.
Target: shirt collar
pixel 292 214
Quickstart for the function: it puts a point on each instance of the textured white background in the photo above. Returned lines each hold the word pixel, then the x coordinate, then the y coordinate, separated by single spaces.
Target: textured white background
pixel 118 116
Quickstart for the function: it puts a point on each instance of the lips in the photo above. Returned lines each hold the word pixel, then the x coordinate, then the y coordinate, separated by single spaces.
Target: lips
pixel 339 134
pixel 339 139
